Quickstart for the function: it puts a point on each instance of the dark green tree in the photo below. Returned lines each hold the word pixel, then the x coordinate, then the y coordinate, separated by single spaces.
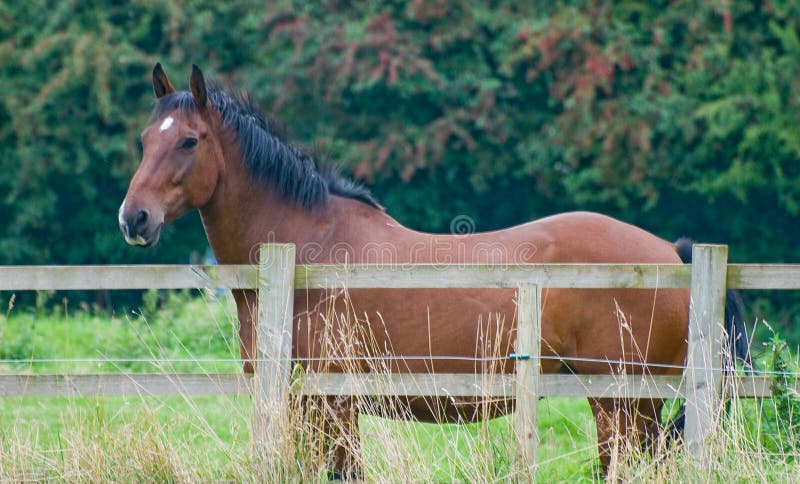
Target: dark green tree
pixel 677 116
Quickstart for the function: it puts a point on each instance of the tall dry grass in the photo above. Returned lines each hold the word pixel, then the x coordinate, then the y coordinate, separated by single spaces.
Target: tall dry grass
pixel 94 444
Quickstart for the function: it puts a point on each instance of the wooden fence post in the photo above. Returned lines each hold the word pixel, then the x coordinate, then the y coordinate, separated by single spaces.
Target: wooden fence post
pixel 274 348
pixel 529 335
pixel 704 358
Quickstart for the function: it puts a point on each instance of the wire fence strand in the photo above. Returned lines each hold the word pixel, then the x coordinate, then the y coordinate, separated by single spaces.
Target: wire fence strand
pixel 395 358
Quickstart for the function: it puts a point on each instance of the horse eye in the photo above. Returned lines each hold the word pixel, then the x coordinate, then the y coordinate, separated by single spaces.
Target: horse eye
pixel 189 143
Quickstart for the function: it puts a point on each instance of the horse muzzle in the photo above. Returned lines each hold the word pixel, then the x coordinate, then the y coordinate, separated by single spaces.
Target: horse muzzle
pixel 139 227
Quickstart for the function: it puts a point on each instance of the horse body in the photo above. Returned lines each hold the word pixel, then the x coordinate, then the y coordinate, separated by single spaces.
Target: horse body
pixel 418 322
pixel 195 161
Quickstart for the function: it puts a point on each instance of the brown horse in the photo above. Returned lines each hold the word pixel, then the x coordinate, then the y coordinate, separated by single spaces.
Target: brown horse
pixel 209 150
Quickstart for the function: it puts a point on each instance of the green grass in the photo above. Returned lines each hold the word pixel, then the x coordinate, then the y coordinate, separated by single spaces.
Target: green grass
pixel 567 450
pixel 209 438
pixel 180 328
pixel 211 435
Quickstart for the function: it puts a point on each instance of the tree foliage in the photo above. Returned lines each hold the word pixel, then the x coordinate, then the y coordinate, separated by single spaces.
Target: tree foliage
pixel 677 116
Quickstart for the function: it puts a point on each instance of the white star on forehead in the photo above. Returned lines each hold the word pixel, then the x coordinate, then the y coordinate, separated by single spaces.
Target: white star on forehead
pixel 166 124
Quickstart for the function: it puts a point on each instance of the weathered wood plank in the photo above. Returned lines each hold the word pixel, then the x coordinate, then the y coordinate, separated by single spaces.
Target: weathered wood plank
pixel 638 386
pixel 706 330
pixel 763 276
pixel 445 385
pixel 613 386
pixel 489 386
pixel 754 387
pixel 496 276
pixel 274 347
pixel 529 336
pixel 124 384
pixel 408 384
pixel 740 276
pixel 45 278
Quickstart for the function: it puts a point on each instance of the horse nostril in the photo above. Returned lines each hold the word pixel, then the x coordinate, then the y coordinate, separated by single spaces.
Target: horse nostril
pixel 141 220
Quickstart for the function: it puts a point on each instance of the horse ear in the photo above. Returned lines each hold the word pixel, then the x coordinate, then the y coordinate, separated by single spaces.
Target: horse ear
pixel 197 84
pixel 161 84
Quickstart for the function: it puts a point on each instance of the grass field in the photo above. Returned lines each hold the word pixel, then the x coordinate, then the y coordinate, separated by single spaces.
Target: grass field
pixel 208 438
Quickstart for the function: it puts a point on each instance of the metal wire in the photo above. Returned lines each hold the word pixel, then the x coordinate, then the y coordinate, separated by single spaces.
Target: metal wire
pixel 388 358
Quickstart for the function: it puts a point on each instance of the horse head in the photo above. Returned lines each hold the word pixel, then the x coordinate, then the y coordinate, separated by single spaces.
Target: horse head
pixel 181 160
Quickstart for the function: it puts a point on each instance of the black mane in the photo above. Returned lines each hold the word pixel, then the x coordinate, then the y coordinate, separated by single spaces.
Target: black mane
pixel 297 173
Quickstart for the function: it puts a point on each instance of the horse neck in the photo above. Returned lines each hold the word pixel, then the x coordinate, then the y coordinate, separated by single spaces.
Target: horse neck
pixel 243 213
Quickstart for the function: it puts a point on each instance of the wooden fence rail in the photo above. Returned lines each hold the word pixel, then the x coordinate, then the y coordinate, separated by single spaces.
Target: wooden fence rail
pixel 278 276
pixel 354 276
pixel 499 386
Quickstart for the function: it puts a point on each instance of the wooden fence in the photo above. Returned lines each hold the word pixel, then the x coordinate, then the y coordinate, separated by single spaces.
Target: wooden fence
pixel 277 277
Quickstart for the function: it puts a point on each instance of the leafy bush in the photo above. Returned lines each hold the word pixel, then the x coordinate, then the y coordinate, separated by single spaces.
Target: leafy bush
pixel 781 415
pixel 675 116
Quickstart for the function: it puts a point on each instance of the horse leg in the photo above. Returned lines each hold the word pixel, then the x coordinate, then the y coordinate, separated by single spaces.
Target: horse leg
pixel 622 425
pixel 340 429
pixel 245 308
pixel 607 420
pixel 649 413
